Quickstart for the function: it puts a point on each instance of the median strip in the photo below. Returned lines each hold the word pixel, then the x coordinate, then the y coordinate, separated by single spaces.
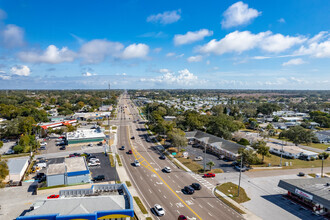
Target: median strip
pixel 141 206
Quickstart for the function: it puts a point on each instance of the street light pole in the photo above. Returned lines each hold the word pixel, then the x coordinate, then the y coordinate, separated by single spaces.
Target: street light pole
pixel 240 173
pixel 204 157
pixel 322 167
pixel 281 154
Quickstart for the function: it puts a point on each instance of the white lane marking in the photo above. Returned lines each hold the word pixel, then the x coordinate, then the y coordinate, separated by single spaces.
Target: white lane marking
pixel 210 214
pixel 159 190
pixel 178 211
pixel 150 191
pixel 171 204
pixel 210 205
pixel 200 205
pixel 164 196
pixel 189 202
pixel 159 183
pixel 179 205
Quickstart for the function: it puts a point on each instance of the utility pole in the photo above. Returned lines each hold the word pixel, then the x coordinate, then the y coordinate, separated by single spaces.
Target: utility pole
pixel 281 155
pixel 322 167
pixel 240 173
pixel 204 157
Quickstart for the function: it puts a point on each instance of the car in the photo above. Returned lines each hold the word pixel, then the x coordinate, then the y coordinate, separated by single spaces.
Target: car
pixel 137 163
pixel 221 157
pixel 182 217
pixel 159 210
pixel 53 196
pixel 10 151
pixel 167 169
pixel 206 175
pixel 43 143
pixel 239 168
pixel 94 164
pixel 122 148
pixel 301 174
pixel 63 147
pixel 328 149
pixel 40 176
pixel 86 154
pixel 98 178
pixel 189 190
pixel 90 145
pixel 196 186
pixel 99 144
pixel 90 157
pixel 129 152
pixel 60 143
pixel 42 147
pixel 93 160
pixel 195 146
pixel 198 158
pixel 162 157
pixel 133 138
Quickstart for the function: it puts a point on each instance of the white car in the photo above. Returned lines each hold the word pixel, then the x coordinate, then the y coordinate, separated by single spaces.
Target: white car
pixel 136 163
pixel 167 169
pixel 93 160
pixel 94 164
pixel 43 143
pixel 198 158
pixel 159 210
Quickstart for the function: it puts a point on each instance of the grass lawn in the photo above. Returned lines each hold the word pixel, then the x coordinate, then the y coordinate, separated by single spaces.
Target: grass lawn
pixel 230 189
pixel 229 204
pixel 128 183
pixel 314 145
pixel 274 160
pixel 194 166
pixel 141 206
pixel 112 162
pixel 118 160
pixel 312 175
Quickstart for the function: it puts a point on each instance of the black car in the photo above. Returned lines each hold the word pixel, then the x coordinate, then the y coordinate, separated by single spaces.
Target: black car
pixel 189 190
pixel 196 186
pixel 99 144
pixel 63 147
pixel 122 148
pixel 133 138
pixel 99 178
pixel 162 157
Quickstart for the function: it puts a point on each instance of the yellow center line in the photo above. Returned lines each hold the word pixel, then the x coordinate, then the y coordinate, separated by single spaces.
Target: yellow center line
pixel 154 171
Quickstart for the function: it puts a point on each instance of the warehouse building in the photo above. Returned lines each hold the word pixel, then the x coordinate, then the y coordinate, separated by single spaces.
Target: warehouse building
pixel 85 135
pixel 312 193
pixel 72 171
pixel 106 201
pixel 17 168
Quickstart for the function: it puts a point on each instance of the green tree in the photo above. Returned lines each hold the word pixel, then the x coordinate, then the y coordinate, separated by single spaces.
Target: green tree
pixel 210 164
pixel 323 155
pixel 262 149
pixel 178 138
pixel 1 144
pixel 249 157
pixel 298 135
pixel 4 171
pixel 243 142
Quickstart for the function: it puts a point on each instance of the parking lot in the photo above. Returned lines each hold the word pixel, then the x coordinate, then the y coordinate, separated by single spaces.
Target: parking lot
pixel 224 165
pixel 104 169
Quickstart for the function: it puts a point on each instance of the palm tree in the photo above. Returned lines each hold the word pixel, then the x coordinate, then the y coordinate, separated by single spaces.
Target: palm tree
pixel 211 164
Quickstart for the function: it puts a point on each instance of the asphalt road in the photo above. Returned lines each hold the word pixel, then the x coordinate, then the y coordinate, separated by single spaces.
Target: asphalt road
pixel 156 187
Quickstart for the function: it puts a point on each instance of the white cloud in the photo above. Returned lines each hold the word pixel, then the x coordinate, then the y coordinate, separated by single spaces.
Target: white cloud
pixel 121 74
pixel 183 78
pixel 318 50
pixel 89 74
pixel 13 36
pixel 170 54
pixel 234 42
pixel 20 70
pixel 281 20
pixel 318 37
pixel 166 17
pixel 135 51
pixel 245 40
pixel 3 14
pixel 4 76
pixel 238 14
pixel 260 57
pixel 51 55
pixel 197 58
pixel 278 43
pixel 96 51
pixel 191 37
pixel 295 62
pixel 164 71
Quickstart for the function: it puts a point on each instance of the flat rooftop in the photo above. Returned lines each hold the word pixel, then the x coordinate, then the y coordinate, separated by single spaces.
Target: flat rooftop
pixel 75 164
pixel 85 133
pixel 16 165
pixel 80 205
pixel 57 168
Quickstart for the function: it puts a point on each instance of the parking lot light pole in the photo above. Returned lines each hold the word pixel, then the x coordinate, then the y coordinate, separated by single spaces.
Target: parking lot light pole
pixel 240 173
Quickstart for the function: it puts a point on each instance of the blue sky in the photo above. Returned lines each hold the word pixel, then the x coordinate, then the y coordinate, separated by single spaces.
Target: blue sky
pixel 165 44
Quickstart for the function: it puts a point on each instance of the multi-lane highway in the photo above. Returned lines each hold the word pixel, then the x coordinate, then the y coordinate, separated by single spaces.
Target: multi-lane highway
pixel 157 187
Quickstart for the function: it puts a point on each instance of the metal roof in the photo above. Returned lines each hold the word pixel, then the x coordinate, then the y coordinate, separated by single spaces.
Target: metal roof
pixel 16 165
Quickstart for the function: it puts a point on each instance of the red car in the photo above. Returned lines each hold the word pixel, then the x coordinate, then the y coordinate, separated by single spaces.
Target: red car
pixel 129 152
pixel 209 175
pixel 53 196
pixel 182 217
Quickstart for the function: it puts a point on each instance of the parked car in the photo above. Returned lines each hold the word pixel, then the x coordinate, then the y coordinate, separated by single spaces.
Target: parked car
pixel 63 147
pixel 60 143
pixel 99 144
pixel 98 178
pixel 129 152
pixel 43 143
pixel 189 190
pixel 159 210
pixel 196 186
pixel 133 138
pixel 198 158
pixel 209 175
pixel 162 157
pixel 122 148
pixel 90 145
pixel 94 164
pixel 243 169
pixel 53 196
pixel 328 149
pixel 301 174
pixel 93 160
pixel 221 157
pixel 10 151
pixel 167 169
pixel 182 217
pixel 137 163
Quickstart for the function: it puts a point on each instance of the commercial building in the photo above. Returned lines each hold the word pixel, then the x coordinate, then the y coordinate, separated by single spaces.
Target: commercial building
pixel 85 135
pixel 84 116
pixel 108 201
pixel 17 168
pixel 214 144
pixel 312 193
pixel 291 151
pixel 73 170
